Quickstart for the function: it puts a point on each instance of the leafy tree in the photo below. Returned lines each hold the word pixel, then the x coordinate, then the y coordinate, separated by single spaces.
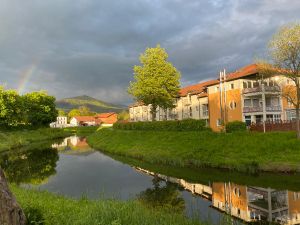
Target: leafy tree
pixel 284 50
pixel 40 108
pixel 81 111
pixel 11 108
pixel 156 80
pixel 124 115
pixel 61 112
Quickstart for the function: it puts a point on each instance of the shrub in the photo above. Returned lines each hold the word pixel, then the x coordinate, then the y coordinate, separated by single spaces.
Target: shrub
pixel 174 125
pixel 236 126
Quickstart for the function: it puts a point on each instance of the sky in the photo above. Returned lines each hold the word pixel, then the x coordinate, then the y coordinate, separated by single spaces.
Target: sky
pixel 89 47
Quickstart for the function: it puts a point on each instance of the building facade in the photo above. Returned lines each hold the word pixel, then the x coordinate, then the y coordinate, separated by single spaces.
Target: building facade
pixel 243 95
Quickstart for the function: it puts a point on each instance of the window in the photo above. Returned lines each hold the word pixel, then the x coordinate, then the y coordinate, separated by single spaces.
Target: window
pixel 247 102
pixel 219 122
pixel 245 84
pixel 191 112
pixel 255 102
pixel 232 105
pixel 232 86
pixel 249 84
pixel 248 120
pixel 205 110
pixel 277 117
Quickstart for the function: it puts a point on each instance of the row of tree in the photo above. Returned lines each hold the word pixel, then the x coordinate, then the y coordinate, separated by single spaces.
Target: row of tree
pixel 32 109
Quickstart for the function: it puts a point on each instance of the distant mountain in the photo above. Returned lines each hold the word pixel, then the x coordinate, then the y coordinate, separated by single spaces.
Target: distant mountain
pixel 95 105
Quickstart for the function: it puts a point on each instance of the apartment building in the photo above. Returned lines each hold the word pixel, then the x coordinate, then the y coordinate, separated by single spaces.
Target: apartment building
pixel 243 95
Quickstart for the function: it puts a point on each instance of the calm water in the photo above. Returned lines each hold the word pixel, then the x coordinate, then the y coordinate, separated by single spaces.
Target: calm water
pixel 74 169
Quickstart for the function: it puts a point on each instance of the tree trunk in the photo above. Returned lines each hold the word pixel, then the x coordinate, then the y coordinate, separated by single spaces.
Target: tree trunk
pixel 297 109
pixel 10 211
pixel 153 112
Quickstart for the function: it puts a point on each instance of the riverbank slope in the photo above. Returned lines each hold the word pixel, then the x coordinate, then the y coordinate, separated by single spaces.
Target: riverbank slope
pixel 244 152
pixel 49 209
pixel 19 138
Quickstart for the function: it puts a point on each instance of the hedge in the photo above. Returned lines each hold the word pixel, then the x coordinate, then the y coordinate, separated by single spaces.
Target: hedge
pixel 235 126
pixel 170 125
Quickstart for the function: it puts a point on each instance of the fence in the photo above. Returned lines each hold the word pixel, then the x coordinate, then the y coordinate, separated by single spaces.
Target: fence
pixel 274 126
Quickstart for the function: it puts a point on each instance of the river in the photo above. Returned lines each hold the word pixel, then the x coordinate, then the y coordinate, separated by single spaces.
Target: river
pixel 72 168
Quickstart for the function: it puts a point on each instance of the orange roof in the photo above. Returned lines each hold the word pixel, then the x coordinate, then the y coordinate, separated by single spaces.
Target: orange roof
pixel 243 72
pixel 196 88
pixel 105 115
pixel 85 118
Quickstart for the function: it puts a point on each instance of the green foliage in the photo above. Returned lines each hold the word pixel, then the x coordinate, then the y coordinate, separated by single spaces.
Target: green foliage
pixel 49 209
pixel 170 125
pixel 11 108
pixel 61 112
pixel 35 109
pixel 81 111
pixel 235 126
pixel 241 151
pixel 40 108
pixel 124 115
pixel 156 81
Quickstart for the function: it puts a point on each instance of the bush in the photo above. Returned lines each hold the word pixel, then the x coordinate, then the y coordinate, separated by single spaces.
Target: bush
pixel 235 126
pixel 174 125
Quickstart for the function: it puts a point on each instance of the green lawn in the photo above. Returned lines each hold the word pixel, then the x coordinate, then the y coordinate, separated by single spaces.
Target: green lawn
pixel 247 152
pixel 49 209
pixel 18 138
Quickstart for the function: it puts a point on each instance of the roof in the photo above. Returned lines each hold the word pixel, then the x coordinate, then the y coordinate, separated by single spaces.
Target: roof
pixel 87 119
pixel 196 88
pixel 105 115
pixel 243 72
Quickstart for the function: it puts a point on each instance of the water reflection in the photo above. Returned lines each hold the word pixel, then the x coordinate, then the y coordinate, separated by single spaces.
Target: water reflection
pixel 73 145
pixel 164 195
pixel 30 166
pixel 250 204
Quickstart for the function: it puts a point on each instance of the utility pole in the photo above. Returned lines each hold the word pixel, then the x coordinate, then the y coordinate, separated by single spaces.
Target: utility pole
pixel 263 104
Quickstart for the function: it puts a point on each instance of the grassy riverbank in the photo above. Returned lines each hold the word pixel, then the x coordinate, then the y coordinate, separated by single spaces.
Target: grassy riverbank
pixel 10 139
pixel 46 208
pixel 245 152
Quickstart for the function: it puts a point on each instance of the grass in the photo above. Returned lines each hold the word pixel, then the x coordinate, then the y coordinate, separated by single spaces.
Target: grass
pixel 244 152
pixel 10 139
pixel 46 208
pixel 82 131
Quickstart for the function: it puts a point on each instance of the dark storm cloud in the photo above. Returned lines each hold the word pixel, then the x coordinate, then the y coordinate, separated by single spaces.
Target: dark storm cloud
pixel 90 46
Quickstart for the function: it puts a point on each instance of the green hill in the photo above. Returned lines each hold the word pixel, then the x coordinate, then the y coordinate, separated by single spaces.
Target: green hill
pixel 95 105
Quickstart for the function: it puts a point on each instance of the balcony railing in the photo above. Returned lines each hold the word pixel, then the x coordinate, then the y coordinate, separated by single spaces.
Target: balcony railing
pixel 250 109
pixel 259 89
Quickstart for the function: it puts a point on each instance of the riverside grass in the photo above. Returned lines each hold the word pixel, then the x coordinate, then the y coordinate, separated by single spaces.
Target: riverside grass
pixel 244 152
pixel 10 139
pixel 42 207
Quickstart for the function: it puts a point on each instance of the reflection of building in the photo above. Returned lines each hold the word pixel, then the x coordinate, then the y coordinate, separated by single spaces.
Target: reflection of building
pixel 75 144
pixel 247 203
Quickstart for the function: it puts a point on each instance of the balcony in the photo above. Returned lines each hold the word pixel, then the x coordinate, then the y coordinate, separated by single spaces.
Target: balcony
pixel 258 90
pixel 253 109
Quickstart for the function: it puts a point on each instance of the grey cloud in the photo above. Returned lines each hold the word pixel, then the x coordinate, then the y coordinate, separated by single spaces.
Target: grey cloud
pixel 90 46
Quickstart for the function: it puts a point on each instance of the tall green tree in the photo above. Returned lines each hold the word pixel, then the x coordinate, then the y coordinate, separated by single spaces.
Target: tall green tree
pixel 81 111
pixel 40 108
pixel 284 49
pixel 11 108
pixel 156 81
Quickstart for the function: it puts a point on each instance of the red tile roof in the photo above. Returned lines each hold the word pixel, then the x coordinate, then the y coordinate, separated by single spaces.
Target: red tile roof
pixel 83 119
pixel 196 88
pixel 243 72
pixel 105 115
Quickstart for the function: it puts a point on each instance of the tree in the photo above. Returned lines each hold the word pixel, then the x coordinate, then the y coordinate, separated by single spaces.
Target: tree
pixel 40 108
pixel 124 115
pixel 11 108
pixel 81 111
pixel 156 80
pixel 284 50
pixel 61 112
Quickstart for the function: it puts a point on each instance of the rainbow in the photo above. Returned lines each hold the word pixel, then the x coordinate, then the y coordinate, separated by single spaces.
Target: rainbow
pixel 25 77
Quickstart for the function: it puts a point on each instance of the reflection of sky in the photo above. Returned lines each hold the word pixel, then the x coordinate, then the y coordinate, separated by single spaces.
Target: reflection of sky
pixel 96 174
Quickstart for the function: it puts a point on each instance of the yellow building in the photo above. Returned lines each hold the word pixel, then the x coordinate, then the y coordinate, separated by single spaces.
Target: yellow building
pixel 243 95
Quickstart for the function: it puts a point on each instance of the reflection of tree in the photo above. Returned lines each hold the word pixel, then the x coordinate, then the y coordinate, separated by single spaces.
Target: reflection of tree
pixel 31 166
pixel 166 196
